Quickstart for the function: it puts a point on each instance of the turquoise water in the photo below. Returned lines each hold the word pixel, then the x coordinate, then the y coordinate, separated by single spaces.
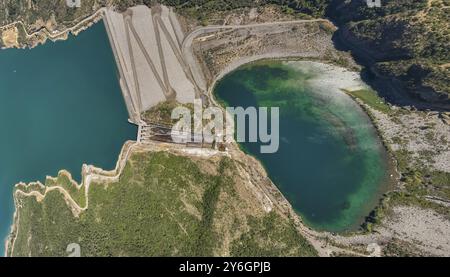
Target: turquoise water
pixel 60 106
pixel 330 165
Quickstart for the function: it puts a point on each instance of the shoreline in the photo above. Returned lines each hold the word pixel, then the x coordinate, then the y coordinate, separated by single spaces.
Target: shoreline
pixel 79 27
pixel 329 78
pixel 89 173
pixel 386 185
pixel 260 58
pixel 75 30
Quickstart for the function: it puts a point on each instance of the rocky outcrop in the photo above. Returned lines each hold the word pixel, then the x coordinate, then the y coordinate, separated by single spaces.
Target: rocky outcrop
pixel 403 45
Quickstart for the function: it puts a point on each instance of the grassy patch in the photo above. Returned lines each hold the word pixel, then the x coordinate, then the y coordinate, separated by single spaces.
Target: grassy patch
pixel 370 98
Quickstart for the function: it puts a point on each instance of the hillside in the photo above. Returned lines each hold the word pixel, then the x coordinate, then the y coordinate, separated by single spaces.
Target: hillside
pixel 407 41
pixel 164 204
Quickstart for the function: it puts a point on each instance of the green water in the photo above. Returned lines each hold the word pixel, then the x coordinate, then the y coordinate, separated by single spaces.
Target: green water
pixel 330 164
pixel 60 106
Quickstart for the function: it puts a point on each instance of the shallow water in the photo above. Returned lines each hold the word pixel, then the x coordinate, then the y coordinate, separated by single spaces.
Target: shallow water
pixel 331 165
pixel 60 106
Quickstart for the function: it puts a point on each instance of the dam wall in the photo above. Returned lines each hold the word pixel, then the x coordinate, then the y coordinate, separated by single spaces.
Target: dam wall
pixel 147 45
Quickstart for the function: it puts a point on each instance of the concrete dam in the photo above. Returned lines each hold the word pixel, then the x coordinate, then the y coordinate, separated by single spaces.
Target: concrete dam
pixel 147 45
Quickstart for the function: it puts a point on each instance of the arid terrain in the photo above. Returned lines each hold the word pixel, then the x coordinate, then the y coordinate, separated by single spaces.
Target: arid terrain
pixel 413 217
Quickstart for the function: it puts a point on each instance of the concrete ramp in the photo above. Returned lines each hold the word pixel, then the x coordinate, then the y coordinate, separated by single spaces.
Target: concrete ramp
pixel 147 48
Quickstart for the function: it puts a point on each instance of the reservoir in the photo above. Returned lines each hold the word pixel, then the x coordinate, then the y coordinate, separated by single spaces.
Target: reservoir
pixel 60 106
pixel 331 165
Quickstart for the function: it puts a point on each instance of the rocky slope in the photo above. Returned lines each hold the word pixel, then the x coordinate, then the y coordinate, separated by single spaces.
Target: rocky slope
pixel 405 43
